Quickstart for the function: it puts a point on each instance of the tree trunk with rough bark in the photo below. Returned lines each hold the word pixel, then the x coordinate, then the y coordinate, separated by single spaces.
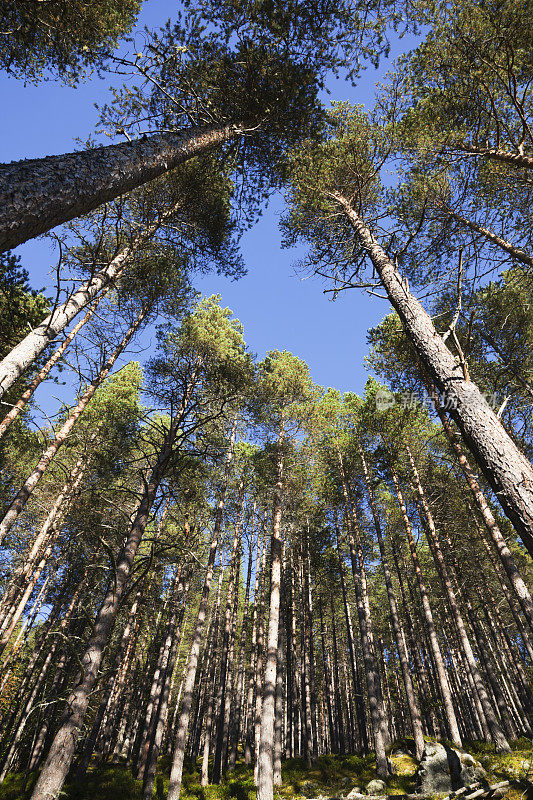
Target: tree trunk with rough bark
pixel 436 653
pixel 509 564
pixel 505 467
pixel 61 436
pixel 178 754
pixel 265 775
pixel 399 638
pixel 38 194
pixel 63 747
pixel 498 736
pixel 375 700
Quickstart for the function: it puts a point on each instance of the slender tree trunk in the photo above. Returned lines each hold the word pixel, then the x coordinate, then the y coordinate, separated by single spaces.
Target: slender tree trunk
pixel 178 755
pixel 162 710
pixel 438 660
pixel 220 738
pixel 508 471
pixel 265 781
pixel 414 713
pixel 509 564
pixel 236 719
pixel 357 689
pixel 38 194
pixel 375 700
pixel 26 396
pixel 497 154
pixel 498 736
pixel 63 747
pixel 278 725
pixel 60 437
pixel 249 717
pixel 211 662
pixel 516 252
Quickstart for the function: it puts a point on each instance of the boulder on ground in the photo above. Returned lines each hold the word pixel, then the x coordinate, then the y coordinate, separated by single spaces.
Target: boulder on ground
pixel 353 793
pixel 376 787
pixel 444 769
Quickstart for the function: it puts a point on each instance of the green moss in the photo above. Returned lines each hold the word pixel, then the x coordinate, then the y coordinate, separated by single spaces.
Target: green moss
pixel 329 775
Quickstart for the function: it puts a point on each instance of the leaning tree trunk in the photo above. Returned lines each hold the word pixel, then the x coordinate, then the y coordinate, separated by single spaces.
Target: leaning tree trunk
pixel 38 194
pixel 509 564
pixel 61 436
pixel 23 355
pixel 516 252
pixel 23 580
pixel 26 396
pixel 63 747
pixel 518 160
pixel 508 471
pixel 178 755
pixel 265 772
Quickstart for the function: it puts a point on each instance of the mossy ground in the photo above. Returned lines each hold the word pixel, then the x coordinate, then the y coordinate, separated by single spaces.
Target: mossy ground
pixel 330 776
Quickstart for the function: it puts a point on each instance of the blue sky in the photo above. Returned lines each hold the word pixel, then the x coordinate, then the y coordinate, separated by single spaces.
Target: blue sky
pixel 278 309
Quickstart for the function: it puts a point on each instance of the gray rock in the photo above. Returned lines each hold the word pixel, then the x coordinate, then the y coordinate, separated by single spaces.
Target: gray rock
pixel 444 769
pixel 376 787
pixel 309 789
pixel 353 793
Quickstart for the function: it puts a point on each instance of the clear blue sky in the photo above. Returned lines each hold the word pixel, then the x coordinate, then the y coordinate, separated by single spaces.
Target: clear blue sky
pixel 278 309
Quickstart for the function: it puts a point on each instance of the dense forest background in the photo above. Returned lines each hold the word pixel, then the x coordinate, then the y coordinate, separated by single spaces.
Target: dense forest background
pixel 220 578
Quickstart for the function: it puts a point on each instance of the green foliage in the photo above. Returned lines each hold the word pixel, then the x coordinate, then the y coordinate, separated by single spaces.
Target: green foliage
pixel 64 38
pixel 21 307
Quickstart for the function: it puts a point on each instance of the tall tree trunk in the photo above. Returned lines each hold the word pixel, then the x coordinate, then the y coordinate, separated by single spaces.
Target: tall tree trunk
pixel 265 780
pixel 211 669
pixel 508 471
pixel 399 638
pixel 518 160
pixel 162 709
pixel 357 689
pixel 509 564
pixel 23 355
pixel 178 755
pixel 253 671
pixel 220 738
pixel 498 736
pixel 516 252
pixel 63 747
pixel 61 436
pixel 375 701
pixel 38 194
pixel 436 653
pixel 26 396
pixel 236 718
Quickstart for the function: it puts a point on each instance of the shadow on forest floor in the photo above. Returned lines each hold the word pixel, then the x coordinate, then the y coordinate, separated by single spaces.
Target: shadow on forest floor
pixel 330 776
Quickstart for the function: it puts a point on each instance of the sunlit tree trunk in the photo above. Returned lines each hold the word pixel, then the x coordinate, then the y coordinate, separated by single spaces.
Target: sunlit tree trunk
pixel 399 638
pixel 497 734
pixel 436 653
pixel 38 194
pixel 265 779
pixel 178 754
pixel 63 747
pixel 508 471
pixel 61 436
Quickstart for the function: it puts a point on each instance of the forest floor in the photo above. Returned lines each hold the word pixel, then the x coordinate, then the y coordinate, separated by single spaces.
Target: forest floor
pixel 331 776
